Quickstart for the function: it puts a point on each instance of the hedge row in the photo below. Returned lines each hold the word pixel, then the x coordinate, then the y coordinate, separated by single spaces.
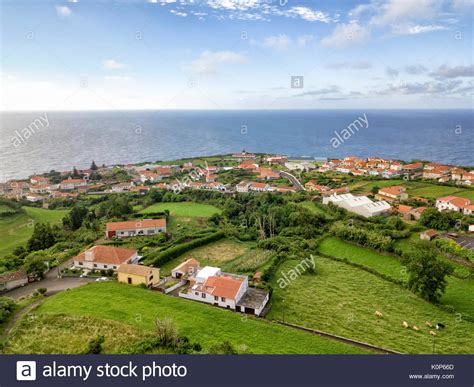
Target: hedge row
pixel 162 257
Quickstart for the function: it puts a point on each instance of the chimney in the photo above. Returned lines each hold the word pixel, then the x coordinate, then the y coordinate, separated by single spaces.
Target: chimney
pixel 89 255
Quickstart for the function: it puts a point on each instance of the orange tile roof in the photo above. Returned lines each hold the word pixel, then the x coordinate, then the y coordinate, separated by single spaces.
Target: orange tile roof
pixel 107 254
pixel 457 201
pixel 223 286
pixel 404 209
pixel 135 224
pixel 393 190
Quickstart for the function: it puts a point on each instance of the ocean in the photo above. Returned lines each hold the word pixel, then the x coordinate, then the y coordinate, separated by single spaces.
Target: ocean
pixel 35 142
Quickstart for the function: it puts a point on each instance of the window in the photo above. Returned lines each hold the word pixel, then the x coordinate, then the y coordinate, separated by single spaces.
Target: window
pixel 203 295
pixel 80 264
pixel 216 298
pixel 222 299
pixel 95 264
pixel 196 293
pixel 151 277
pixel 105 266
pixel 114 267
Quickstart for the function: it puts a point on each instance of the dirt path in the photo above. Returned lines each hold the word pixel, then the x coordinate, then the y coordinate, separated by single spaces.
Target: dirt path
pixel 19 314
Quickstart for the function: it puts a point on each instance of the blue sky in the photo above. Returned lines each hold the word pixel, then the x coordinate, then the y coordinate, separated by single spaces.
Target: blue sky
pixel 236 54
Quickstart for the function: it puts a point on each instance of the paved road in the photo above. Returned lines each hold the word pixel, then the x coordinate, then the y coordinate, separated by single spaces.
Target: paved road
pixel 293 179
pixel 50 282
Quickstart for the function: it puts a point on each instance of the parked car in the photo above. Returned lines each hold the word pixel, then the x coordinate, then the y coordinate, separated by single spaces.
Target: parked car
pixel 101 279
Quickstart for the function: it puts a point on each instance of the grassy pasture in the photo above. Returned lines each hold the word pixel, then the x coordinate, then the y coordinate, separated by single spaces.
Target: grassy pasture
pixel 342 299
pixel 202 323
pixel 214 254
pixel 16 230
pixel 458 292
pixel 184 209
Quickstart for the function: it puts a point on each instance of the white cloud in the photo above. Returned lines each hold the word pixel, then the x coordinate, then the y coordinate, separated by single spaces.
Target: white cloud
pixel 346 35
pixel 416 29
pixel 362 65
pixel 234 5
pixel 307 14
pixel 400 11
pixel 209 61
pixel 111 64
pixel 278 42
pixel 63 10
pixel 177 13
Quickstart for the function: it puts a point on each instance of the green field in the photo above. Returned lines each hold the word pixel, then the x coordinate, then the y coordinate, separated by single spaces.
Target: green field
pixel 184 209
pixel 458 292
pixel 214 254
pixel 342 299
pixel 16 230
pixel 202 323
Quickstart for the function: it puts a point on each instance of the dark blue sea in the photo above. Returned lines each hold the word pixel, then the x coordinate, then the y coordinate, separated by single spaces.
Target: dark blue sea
pixel 112 137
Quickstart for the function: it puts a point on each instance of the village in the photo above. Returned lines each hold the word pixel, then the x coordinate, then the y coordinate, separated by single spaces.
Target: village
pixel 240 232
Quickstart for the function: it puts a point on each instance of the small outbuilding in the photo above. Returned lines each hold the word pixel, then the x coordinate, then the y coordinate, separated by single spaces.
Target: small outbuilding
pixel 428 235
pixel 12 280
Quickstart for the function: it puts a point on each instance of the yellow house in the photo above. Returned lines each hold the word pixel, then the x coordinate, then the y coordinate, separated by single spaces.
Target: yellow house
pixel 138 274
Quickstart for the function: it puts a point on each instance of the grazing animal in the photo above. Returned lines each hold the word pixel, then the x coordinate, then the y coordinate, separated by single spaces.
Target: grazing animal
pixel 378 314
pixel 415 328
pixel 432 333
pixel 405 324
pixel 439 326
pixel 429 324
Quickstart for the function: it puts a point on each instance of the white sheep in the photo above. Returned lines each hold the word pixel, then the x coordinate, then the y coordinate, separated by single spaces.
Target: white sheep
pixel 429 324
pixel 378 314
pixel 432 333
pixel 415 328
pixel 405 324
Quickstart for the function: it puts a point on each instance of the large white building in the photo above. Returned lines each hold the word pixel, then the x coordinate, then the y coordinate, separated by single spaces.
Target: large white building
pixel 360 205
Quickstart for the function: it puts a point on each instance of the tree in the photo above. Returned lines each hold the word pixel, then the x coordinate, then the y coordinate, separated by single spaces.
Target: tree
pixel 75 173
pixel 427 274
pixel 374 189
pixel 94 347
pixel 42 238
pixel 74 219
pixel 35 266
pixel 94 166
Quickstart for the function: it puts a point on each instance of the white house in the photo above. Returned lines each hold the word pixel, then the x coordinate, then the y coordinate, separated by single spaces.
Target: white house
pixel 225 290
pixel 452 203
pixel 70 184
pixel 12 280
pixel 360 205
pixel 105 257
pixel 135 228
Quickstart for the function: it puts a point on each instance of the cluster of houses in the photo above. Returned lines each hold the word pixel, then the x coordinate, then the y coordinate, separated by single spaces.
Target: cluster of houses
pixel 376 166
pixel 208 284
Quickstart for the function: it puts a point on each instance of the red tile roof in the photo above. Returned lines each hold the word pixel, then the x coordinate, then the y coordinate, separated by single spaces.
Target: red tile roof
pixel 223 286
pixel 107 254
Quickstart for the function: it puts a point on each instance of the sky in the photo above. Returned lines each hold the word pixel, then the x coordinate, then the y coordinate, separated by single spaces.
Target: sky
pixel 236 54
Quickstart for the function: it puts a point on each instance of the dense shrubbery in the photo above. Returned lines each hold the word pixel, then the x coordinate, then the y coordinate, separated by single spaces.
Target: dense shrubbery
pixel 11 208
pixel 368 238
pixel 6 308
pixel 432 218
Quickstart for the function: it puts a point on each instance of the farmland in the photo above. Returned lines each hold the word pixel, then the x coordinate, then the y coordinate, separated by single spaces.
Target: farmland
pixel 213 254
pixel 184 209
pixel 342 299
pixel 204 324
pixel 458 292
pixel 15 230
